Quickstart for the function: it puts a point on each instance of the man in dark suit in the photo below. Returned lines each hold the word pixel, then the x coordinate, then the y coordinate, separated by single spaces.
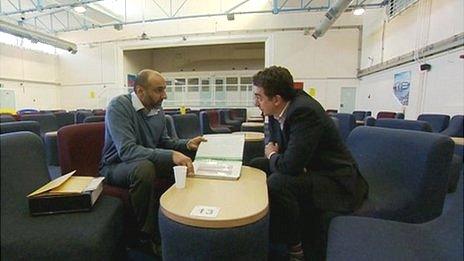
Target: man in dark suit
pixel 309 168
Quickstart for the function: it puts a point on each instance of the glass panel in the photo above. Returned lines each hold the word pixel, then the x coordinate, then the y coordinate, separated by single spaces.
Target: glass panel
pixel 180 81
pixel 245 80
pixel 231 88
pixel 231 80
pixel 193 81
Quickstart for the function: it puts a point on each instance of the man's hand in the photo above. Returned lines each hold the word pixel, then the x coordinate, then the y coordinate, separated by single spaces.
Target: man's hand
pixel 271 148
pixel 193 144
pixel 180 159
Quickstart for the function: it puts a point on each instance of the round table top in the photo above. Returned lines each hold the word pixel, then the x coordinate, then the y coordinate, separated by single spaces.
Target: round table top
pixel 251 135
pixel 458 140
pixel 240 202
pixel 255 119
pixel 51 133
pixel 253 124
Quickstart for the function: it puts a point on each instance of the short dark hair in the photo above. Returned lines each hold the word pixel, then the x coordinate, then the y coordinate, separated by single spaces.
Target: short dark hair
pixel 142 78
pixel 275 80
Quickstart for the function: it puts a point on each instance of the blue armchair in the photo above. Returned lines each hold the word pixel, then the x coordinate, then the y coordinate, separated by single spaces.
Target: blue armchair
pixel 359 238
pixel 407 172
pixel 455 127
pixel 95 235
pixel 439 122
pixel 404 124
pixel 347 123
pixel 187 126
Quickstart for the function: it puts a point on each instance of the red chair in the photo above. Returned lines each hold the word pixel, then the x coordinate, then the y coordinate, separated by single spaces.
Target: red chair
pixel 210 123
pixel 80 147
pixel 386 114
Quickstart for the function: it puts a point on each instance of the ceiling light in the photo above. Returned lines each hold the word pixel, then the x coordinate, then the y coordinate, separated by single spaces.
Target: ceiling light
pixel 144 36
pixel 80 9
pixel 34 36
pixel 230 17
pixel 358 11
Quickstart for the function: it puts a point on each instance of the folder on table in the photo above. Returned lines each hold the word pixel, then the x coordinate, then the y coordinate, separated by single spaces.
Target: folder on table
pixel 220 157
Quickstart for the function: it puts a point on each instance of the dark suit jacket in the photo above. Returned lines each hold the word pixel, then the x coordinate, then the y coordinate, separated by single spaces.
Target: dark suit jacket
pixel 310 144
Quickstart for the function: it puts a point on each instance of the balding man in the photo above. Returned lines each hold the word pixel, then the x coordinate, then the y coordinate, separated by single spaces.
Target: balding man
pixel 137 148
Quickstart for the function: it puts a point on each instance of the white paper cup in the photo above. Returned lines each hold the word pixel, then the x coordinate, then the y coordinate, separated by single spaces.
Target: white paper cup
pixel 180 175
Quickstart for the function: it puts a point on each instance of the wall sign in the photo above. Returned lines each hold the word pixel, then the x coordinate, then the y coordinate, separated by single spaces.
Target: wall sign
pixel 402 86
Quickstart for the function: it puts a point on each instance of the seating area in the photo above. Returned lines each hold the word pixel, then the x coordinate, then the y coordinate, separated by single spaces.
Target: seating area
pixel 361 238
pixel 268 130
pixel 408 201
pixel 411 166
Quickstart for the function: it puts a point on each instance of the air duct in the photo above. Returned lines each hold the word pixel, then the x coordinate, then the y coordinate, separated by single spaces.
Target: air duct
pixel 329 18
pixel 34 36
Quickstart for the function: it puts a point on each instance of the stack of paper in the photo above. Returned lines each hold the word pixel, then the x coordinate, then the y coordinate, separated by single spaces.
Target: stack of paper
pixel 66 194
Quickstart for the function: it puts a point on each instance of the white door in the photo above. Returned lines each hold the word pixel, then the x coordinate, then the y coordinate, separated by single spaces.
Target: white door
pixel 347 99
pixel 7 101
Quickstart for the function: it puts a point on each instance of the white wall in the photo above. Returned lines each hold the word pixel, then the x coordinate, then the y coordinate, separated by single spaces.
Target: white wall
pixel 32 75
pixel 408 30
pixel 326 64
pixel 136 60
pixel 308 59
pixel 90 77
pixel 438 91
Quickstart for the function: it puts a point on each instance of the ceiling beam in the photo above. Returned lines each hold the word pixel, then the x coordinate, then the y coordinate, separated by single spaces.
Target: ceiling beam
pixel 105 12
pixel 161 8
pixel 235 7
pixel 47 7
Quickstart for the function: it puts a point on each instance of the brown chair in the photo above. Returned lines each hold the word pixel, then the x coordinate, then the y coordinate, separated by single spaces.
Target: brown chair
pixel 386 114
pixel 210 123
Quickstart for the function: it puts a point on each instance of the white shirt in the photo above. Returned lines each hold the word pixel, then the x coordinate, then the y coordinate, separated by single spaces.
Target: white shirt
pixel 281 119
pixel 137 104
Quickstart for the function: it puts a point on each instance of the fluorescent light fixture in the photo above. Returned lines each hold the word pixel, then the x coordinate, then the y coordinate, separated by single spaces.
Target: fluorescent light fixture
pixel 35 36
pixel 230 17
pixel 329 18
pixel 80 9
pixel 358 11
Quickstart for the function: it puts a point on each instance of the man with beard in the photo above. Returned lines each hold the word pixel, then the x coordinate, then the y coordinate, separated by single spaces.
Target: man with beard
pixel 138 150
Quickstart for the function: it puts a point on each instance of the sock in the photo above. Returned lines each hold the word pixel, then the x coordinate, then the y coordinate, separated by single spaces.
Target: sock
pixel 296 251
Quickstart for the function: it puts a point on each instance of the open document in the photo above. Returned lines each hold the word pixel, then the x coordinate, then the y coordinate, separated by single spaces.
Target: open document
pixel 220 157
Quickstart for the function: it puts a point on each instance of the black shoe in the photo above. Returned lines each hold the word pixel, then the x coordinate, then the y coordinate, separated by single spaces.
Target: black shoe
pixel 156 247
pixel 147 245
